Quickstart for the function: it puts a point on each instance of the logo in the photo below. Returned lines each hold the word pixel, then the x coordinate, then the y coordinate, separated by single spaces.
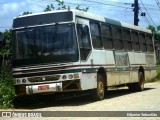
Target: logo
pixel 6 114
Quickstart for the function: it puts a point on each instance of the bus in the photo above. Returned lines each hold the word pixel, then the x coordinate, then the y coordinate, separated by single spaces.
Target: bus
pixel 72 51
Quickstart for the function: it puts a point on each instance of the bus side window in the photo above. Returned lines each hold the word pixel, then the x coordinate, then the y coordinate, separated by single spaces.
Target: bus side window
pixel 135 41
pixel 107 36
pixel 126 39
pixel 142 42
pixel 149 43
pixel 84 40
pixel 96 35
pixel 117 38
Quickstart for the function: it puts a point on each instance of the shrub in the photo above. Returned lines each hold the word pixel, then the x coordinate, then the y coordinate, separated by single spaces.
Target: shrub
pixel 7 91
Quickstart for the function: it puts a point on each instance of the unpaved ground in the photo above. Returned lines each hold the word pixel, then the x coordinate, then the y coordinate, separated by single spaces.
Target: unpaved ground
pixel 115 100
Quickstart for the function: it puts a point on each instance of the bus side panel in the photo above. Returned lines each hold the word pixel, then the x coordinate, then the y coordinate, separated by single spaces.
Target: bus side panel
pixel 124 77
pixel 110 58
pixel 137 59
pixel 112 78
pixel 134 76
pixel 88 81
pixel 140 58
pixel 150 74
pixel 99 57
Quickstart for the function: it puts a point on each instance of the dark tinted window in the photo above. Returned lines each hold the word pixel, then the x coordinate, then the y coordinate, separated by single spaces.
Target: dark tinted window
pixel 142 42
pixel 135 41
pixel 107 36
pixel 49 44
pixel 134 36
pixel 43 19
pixel 84 40
pixel 126 39
pixel 106 31
pixel 96 36
pixel 149 43
pixel 116 32
pixel 117 38
pixel 126 34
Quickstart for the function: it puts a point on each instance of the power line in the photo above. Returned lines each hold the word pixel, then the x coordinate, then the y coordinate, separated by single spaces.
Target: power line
pixel 145 18
pixel 157 2
pixel 148 14
pixel 85 1
pixel 53 1
pixel 107 4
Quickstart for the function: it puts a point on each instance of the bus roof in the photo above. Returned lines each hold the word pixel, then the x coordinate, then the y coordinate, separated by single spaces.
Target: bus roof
pixel 94 17
pixel 110 21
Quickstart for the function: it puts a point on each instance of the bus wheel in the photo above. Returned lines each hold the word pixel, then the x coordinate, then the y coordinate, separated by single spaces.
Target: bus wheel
pixel 99 92
pixel 140 85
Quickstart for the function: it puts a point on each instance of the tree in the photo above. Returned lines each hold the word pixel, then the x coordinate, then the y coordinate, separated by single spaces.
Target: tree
pixel 84 9
pixel 6 48
pixel 26 13
pixel 62 6
pixel 49 8
pixel 155 31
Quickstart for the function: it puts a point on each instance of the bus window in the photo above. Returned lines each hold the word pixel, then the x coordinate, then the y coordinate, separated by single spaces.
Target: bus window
pixel 96 37
pixel 149 43
pixel 118 43
pixel 107 37
pixel 126 39
pixel 135 41
pixel 142 42
pixel 84 40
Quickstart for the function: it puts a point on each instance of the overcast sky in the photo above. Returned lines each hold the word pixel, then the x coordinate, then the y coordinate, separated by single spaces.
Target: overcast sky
pixel 116 9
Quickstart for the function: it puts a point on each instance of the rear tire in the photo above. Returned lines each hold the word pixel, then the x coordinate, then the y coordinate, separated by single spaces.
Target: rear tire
pixel 138 86
pixel 99 93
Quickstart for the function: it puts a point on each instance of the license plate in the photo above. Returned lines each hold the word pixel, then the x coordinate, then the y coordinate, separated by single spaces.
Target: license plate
pixel 44 87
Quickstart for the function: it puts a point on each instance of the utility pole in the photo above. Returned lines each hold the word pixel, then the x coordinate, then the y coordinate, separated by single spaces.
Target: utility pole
pixel 136 11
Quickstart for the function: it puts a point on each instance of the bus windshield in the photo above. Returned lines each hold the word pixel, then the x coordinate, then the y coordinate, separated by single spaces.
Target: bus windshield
pixel 45 44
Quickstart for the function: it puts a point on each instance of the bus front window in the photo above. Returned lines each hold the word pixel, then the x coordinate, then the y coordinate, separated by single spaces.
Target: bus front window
pixel 56 43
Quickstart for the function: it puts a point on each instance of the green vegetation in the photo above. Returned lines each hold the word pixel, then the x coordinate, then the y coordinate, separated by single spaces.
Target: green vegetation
pixel 155 31
pixel 158 76
pixel 7 92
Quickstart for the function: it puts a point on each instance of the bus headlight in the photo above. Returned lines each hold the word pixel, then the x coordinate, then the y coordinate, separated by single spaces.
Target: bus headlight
pixel 18 81
pixel 70 76
pixel 24 80
pixel 64 77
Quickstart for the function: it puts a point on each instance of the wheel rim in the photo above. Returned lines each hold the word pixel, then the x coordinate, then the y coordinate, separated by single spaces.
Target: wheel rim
pixel 100 88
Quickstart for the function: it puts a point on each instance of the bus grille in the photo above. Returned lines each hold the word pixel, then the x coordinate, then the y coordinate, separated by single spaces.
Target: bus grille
pixel 44 78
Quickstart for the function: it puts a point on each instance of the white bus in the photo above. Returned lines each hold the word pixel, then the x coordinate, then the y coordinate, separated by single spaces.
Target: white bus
pixel 64 51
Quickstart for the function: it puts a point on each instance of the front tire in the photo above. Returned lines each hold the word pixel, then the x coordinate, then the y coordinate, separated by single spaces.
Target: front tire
pixel 99 93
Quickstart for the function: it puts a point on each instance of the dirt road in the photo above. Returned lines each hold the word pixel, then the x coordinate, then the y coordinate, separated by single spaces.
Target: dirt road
pixel 115 100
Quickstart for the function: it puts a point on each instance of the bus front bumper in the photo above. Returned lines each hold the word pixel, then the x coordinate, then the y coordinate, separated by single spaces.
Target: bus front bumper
pixel 44 88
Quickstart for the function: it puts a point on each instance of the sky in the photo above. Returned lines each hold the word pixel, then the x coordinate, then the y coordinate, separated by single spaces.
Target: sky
pixel 120 10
